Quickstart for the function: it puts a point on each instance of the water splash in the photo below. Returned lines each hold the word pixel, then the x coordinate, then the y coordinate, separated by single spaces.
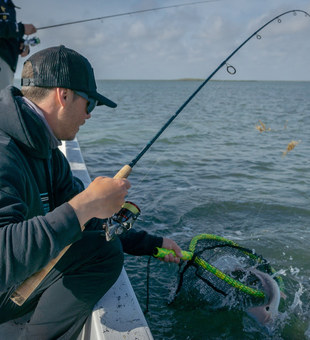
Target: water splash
pixel 297 302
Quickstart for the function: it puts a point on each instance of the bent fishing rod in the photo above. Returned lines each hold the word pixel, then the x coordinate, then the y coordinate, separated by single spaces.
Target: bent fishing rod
pixel 126 170
pixel 124 220
pixel 128 13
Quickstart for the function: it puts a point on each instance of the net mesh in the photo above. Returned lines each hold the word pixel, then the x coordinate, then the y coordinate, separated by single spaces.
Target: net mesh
pixel 229 284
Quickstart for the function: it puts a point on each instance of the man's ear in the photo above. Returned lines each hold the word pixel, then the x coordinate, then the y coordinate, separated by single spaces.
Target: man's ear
pixel 62 96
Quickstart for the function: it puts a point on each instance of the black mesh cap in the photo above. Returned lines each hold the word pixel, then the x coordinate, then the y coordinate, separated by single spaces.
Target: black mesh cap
pixel 62 67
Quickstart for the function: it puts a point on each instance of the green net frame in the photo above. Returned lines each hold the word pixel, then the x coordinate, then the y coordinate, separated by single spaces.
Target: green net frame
pixel 191 255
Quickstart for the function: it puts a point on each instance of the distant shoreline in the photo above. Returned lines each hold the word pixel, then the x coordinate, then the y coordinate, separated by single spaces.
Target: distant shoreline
pixel 215 80
pixel 198 79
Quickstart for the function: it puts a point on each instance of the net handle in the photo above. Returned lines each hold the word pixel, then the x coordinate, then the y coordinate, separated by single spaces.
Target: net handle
pixel 162 252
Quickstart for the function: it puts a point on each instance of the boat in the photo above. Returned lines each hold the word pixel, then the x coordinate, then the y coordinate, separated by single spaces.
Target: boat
pixel 117 315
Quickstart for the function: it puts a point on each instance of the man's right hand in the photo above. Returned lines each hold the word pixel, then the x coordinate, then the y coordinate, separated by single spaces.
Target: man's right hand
pixel 29 29
pixel 103 197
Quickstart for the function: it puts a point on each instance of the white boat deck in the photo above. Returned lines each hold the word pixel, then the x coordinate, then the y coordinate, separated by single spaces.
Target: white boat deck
pixel 117 315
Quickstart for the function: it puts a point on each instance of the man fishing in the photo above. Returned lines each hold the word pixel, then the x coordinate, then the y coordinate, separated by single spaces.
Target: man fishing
pixel 11 41
pixel 43 207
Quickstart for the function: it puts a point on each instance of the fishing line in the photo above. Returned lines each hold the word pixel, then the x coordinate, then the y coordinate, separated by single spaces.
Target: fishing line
pixel 177 137
pixel 128 13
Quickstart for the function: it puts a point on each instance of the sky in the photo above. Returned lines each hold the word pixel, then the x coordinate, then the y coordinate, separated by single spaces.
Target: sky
pixel 180 42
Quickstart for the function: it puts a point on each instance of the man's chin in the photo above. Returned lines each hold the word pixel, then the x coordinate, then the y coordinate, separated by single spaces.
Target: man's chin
pixel 68 139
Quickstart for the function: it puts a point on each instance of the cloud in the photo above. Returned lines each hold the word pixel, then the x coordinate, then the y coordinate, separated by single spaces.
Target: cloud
pixel 182 42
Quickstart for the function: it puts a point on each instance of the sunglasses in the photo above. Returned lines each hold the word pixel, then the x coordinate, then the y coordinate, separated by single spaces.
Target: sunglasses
pixel 92 103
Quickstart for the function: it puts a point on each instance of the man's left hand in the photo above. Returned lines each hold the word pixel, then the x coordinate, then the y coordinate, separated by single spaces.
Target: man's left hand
pixel 171 245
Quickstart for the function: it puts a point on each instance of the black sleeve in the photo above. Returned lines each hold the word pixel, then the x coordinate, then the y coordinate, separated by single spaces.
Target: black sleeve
pixel 11 29
pixel 139 242
pixel 134 242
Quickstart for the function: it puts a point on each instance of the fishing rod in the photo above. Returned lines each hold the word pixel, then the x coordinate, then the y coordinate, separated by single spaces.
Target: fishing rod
pixel 128 13
pixel 123 220
pixel 115 226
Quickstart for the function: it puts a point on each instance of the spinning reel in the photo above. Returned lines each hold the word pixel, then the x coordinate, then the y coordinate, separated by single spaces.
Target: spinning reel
pixel 121 221
pixel 32 42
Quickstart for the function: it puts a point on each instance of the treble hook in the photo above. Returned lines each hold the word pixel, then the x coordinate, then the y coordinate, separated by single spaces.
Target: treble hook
pixel 230 69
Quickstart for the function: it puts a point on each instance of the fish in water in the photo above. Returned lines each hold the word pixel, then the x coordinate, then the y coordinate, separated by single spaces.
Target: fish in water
pixel 267 314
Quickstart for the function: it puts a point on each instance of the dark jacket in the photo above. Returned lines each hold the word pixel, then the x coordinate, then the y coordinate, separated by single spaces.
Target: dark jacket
pixel 33 180
pixel 11 34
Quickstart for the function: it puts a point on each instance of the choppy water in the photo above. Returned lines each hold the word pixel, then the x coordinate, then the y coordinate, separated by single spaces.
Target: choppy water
pixel 213 172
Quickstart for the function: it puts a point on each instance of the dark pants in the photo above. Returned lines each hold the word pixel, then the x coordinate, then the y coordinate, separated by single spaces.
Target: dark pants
pixel 66 297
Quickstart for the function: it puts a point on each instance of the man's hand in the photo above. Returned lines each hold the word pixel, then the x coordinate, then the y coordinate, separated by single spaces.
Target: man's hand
pixel 29 29
pixel 103 197
pixel 25 49
pixel 171 245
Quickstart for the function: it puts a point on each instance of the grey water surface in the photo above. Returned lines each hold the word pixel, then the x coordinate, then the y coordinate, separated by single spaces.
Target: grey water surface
pixel 213 172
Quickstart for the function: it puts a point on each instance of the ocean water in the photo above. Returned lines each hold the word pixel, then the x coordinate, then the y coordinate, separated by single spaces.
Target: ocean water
pixel 213 172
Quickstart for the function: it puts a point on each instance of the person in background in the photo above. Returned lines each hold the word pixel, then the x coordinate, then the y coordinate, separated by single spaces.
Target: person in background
pixel 11 42
pixel 43 207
